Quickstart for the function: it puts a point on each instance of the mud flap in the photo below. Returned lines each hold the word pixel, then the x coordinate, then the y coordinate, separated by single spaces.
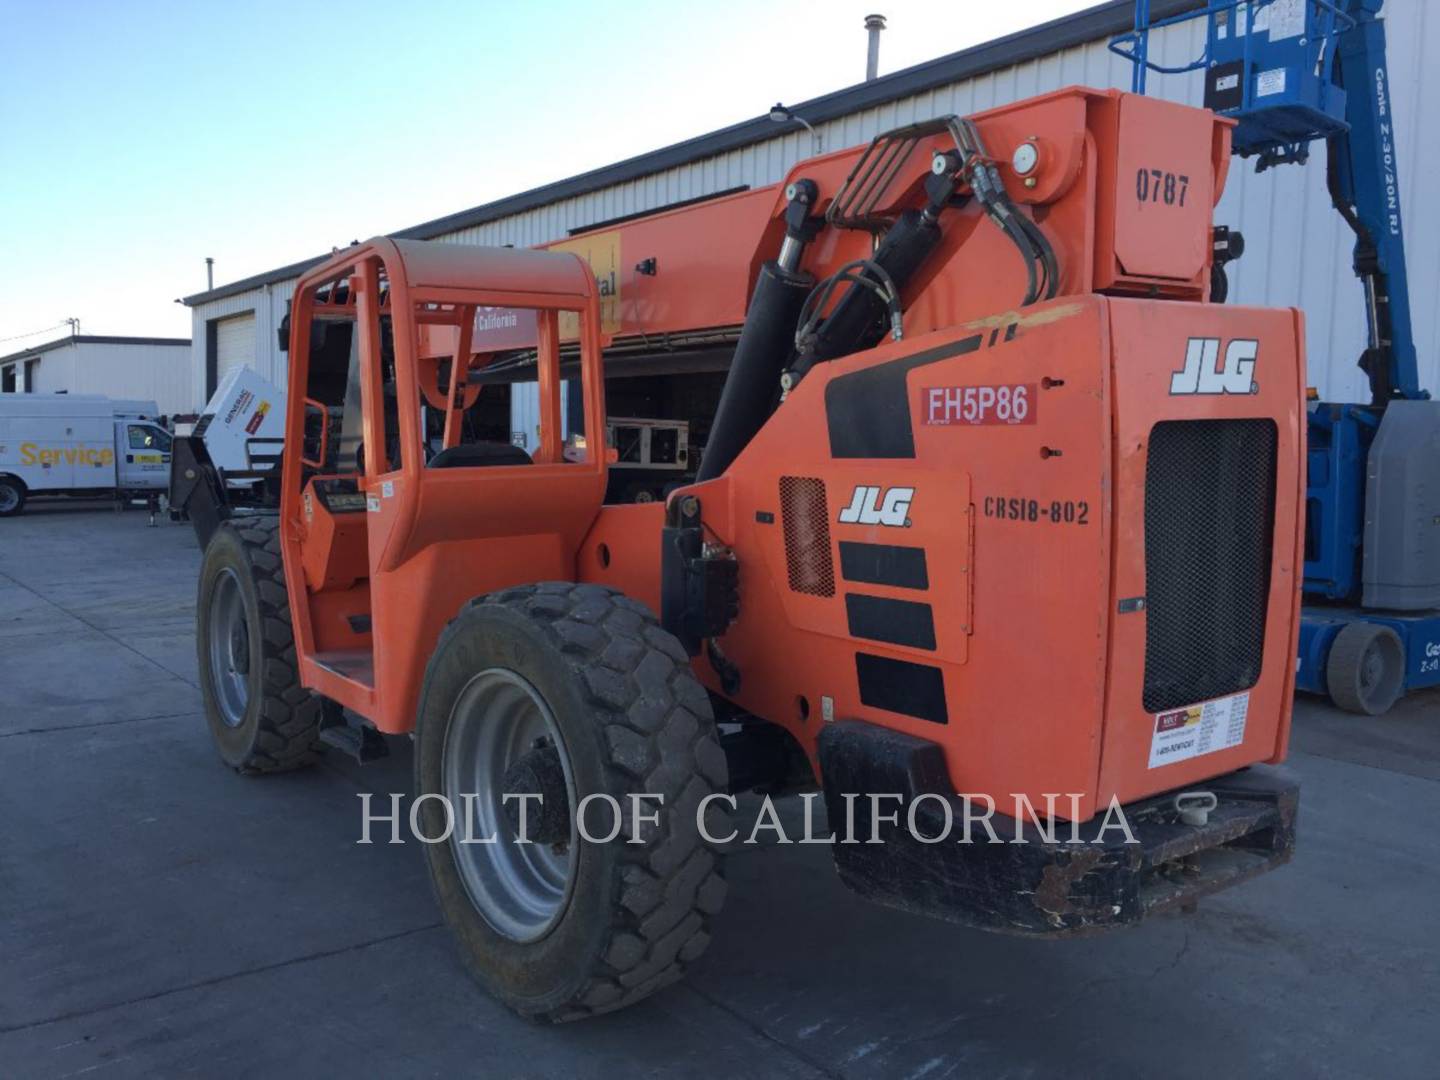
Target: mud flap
pixel 1082 882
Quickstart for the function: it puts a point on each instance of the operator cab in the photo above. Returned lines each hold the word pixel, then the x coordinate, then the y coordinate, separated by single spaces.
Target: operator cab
pixel 409 463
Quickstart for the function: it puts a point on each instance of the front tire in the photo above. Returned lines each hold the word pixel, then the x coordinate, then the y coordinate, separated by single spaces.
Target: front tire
pixel 580 685
pixel 12 496
pixel 261 718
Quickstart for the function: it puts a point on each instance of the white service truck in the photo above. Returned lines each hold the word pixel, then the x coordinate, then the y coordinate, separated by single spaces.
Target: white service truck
pixel 79 444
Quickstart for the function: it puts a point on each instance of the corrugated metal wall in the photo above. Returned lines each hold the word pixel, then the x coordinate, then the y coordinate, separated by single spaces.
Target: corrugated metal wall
pixel 268 304
pixel 159 373
pixel 1297 248
pixel 56 371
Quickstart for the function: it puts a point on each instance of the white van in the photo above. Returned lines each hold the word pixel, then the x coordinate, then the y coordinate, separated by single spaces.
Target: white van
pixel 74 444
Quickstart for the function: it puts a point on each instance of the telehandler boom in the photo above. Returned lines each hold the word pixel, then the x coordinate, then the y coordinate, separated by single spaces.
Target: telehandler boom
pixel 995 508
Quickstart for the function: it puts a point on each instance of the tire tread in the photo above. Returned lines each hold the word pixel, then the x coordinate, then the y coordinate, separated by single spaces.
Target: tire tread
pixel 660 738
pixel 289 716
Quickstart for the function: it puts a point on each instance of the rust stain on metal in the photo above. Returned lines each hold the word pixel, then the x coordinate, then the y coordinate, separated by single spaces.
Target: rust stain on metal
pixel 1052 895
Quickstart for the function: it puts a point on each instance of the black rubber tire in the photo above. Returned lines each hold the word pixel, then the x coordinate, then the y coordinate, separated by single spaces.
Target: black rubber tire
pixel 633 719
pixel 282 718
pixel 15 488
pixel 1365 671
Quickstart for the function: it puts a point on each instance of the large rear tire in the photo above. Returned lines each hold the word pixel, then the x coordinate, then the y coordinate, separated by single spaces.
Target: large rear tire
pixel 261 718
pixel 574 691
pixel 1365 671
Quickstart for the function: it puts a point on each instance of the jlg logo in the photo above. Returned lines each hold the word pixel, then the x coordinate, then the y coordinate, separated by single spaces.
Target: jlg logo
pixel 869 507
pixel 1201 374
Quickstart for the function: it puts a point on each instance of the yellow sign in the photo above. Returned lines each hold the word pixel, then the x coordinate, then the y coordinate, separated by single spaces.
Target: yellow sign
pixel 602 251
pixel 30 454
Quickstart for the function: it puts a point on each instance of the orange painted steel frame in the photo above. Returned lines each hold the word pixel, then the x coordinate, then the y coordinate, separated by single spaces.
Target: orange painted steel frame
pixel 1041 676
pixel 433 538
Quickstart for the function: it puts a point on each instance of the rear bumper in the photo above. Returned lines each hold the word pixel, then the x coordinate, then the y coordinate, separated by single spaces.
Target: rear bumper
pixel 1093 881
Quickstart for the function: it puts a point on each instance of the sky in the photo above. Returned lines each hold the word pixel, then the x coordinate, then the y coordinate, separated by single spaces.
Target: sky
pixel 138 137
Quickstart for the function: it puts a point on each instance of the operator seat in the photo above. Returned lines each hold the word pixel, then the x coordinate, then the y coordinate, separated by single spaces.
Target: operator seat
pixel 478 454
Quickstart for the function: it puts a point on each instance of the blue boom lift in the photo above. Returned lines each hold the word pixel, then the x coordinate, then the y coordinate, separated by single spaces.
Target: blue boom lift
pixel 1291 72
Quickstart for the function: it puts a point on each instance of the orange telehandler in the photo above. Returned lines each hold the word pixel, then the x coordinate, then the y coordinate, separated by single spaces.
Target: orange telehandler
pixel 994 508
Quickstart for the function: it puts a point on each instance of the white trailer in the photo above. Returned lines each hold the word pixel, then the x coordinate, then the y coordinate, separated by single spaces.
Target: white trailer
pixel 75 444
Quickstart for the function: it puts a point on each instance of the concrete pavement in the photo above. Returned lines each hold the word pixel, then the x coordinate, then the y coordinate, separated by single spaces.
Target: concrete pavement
pixel 159 914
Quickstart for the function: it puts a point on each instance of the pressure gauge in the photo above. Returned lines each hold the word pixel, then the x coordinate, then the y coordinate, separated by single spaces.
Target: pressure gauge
pixel 1025 158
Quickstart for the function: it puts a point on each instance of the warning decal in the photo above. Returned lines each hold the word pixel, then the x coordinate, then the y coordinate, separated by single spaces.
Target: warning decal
pixel 1270 82
pixel 1287 19
pixel 1200 729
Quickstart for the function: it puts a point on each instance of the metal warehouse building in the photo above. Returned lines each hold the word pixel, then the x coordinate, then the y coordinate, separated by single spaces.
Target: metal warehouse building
pixel 1298 251
pixel 144 368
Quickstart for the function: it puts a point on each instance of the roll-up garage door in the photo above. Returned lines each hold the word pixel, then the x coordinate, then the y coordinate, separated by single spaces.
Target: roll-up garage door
pixel 234 345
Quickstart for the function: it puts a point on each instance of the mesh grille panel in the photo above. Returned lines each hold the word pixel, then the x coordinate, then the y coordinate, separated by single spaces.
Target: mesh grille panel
pixel 1209 526
pixel 806 521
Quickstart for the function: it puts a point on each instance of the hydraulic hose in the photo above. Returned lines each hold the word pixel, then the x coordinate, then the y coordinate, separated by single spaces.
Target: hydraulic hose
pixel 860 318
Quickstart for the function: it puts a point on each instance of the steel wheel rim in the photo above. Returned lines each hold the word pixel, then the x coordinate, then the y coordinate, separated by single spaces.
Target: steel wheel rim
pixel 521 890
pixel 229 648
pixel 1372 670
pixel 9 498
pixel 1381 673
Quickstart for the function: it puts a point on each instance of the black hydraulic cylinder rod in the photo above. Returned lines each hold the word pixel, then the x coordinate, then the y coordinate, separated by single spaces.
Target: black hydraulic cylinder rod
pixel 859 320
pixel 752 388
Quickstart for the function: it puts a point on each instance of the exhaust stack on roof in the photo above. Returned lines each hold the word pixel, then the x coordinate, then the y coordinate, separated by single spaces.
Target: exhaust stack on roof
pixel 873 25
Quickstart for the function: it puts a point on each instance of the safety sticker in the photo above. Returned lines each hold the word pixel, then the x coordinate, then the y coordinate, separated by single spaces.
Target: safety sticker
pixel 1270 82
pixel 372 504
pixel 1182 734
pixel 1287 19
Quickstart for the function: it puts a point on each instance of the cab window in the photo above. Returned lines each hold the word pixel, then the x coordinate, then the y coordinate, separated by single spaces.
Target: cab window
pixel 334 405
pixel 145 437
pixel 515 404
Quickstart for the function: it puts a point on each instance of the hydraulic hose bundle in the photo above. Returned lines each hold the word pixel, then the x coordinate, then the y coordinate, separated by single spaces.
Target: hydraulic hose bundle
pixel 819 320
pixel 871 304
pixel 984 179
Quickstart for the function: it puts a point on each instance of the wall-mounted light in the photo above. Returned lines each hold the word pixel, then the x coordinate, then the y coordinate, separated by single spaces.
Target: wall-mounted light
pixel 781 115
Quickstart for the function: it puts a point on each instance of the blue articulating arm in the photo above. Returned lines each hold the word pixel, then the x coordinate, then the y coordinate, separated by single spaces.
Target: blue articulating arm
pixel 1365 187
